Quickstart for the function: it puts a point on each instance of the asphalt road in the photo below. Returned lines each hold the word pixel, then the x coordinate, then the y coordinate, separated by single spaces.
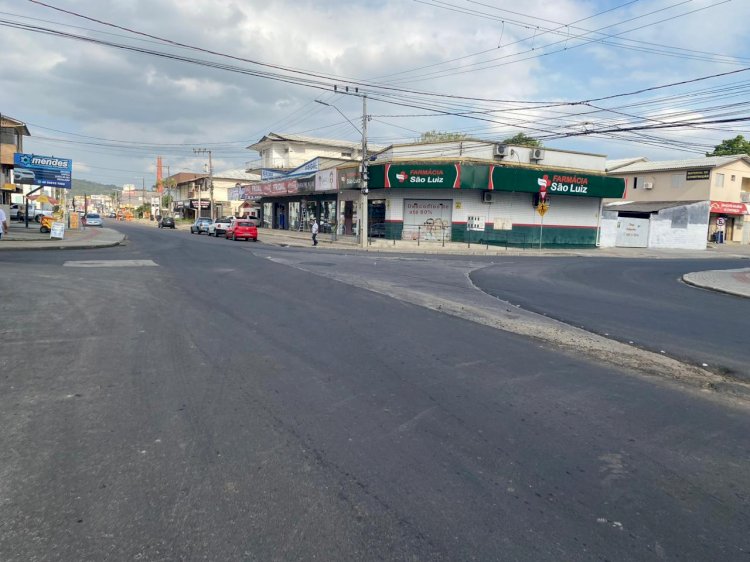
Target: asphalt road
pixel 641 301
pixel 222 405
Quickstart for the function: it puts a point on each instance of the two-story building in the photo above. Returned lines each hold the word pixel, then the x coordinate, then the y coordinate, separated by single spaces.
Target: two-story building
pixel 684 203
pixel 287 152
pixel 470 190
pixel 188 190
pixel 12 132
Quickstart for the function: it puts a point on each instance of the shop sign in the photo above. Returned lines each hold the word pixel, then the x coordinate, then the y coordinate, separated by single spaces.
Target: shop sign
pixel 251 192
pixel 8 186
pixel 728 208
pixel 554 182
pixel 326 180
pixel 57 230
pixel 307 168
pixel 205 204
pixel 271 174
pixel 702 174
pixel 423 176
pixel 348 178
pixel 293 186
pixel 42 170
pixel 233 193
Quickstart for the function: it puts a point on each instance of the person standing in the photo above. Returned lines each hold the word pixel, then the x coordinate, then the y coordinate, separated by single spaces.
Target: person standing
pixel 315 232
pixel 3 223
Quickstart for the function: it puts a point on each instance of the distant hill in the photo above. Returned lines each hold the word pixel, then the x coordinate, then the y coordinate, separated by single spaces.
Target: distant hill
pixel 85 187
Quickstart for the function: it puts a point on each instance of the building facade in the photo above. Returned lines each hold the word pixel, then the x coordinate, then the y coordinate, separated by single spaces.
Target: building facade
pixel 721 182
pixel 11 141
pixel 473 190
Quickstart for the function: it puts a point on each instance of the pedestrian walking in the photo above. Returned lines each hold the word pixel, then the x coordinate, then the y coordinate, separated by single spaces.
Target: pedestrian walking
pixel 3 223
pixel 315 232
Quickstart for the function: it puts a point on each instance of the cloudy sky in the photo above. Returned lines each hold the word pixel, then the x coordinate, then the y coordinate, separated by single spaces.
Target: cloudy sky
pixel 113 84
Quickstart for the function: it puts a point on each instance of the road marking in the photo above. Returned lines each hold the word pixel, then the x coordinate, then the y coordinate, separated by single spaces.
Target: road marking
pixel 110 263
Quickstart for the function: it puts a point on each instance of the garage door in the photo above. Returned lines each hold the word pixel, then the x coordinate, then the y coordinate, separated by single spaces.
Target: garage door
pixel 632 233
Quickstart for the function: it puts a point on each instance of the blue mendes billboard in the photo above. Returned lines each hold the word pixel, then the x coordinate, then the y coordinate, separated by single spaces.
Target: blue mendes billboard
pixel 42 170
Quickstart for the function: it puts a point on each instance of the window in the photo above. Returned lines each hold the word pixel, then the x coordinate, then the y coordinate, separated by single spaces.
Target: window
pixel 719 180
pixel 677 180
pixel 346 154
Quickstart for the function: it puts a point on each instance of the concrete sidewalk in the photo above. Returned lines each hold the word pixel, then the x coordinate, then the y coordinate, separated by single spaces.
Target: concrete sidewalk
pixel 21 238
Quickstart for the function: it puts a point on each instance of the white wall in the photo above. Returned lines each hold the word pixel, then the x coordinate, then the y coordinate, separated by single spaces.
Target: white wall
pixel 608 231
pixel 684 227
pixel 509 206
pixel 485 151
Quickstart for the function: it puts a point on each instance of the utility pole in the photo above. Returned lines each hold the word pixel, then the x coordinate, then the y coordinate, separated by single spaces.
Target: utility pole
pixel 364 177
pixel 210 175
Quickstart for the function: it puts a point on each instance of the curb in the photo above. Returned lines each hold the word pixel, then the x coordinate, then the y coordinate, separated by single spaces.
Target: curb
pixel 63 247
pixel 713 288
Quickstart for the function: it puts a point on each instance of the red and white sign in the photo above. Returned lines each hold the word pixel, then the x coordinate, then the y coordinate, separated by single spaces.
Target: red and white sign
pixel 727 208
pixel 544 182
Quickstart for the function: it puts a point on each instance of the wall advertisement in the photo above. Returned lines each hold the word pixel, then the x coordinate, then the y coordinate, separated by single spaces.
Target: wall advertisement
pixel 427 219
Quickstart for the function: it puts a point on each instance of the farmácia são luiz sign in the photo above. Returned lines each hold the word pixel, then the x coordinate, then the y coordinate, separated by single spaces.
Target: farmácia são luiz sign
pixel 492 177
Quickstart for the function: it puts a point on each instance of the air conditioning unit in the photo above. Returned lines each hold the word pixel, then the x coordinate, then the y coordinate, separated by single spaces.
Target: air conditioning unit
pixel 648 185
pixel 488 197
pixel 501 150
pixel 537 154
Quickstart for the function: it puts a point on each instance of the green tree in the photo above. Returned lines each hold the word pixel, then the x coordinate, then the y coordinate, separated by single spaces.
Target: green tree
pixel 441 136
pixel 522 139
pixel 737 145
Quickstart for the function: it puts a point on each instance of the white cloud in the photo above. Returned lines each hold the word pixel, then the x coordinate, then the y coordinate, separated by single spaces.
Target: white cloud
pixel 118 94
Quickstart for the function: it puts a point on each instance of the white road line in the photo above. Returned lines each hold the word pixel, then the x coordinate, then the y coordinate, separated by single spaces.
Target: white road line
pixel 110 263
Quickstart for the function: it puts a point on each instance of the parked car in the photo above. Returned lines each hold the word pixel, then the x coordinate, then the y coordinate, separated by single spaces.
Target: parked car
pixel 242 228
pixel 220 226
pixel 166 222
pixel 93 219
pixel 17 211
pixel 200 225
pixel 112 215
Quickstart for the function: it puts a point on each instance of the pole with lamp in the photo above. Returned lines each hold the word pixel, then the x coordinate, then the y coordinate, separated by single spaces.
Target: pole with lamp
pixel 210 175
pixel 143 195
pixel 362 170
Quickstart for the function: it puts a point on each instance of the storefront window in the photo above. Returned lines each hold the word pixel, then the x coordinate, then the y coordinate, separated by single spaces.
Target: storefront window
pixel 294 218
pixel 267 215
pixel 327 217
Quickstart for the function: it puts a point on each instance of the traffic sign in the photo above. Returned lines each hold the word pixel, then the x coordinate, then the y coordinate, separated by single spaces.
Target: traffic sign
pixel 542 208
pixel 720 221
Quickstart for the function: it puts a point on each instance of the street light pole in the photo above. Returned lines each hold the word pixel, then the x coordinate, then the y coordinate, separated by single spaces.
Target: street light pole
pixel 143 193
pixel 210 175
pixel 362 169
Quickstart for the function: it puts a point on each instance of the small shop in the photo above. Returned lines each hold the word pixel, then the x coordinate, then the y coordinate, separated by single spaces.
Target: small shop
pixel 726 221
pixel 488 204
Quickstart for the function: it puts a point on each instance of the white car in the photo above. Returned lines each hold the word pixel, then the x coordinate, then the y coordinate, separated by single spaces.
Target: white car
pixel 94 219
pixel 21 174
pixel 219 227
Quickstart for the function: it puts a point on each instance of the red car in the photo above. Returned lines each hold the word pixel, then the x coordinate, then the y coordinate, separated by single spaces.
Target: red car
pixel 246 229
